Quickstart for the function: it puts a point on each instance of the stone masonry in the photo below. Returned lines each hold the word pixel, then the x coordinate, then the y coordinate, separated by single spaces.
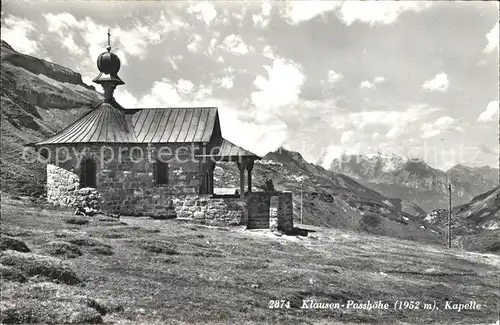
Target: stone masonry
pixel 125 185
pixel 212 211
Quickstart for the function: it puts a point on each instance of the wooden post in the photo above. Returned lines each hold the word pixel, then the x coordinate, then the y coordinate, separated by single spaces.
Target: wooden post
pixel 212 168
pixel 449 216
pixel 241 167
pixel 301 183
pixel 249 175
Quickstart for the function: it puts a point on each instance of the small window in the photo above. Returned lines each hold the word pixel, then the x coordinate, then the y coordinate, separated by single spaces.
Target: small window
pixel 88 173
pixel 161 173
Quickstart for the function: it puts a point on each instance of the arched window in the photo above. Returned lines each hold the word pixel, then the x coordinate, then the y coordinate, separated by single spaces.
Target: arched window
pixel 88 173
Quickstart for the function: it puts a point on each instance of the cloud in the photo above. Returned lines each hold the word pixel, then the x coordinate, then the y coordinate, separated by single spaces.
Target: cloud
pixel 490 112
pixel 334 77
pixel 173 61
pixel 393 132
pixel 258 138
pixel 234 44
pixel 346 136
pixel 211 47
pixel 69 43
pixel 438 83
pixel 125 98
pixel 261 20
pixel 267 52
pixel 239 16
pixel 194 43
pixel 442 124
pixel 366 84
pixel 492 37
pixel 227 81
pixel 203 11
pixel 184 86
pixel 331 79
pixel 16 31
pixel 371 84
pixel 167 93
pixel 333 152
pixel 281 88
pixel 300 11
pixel 133 41
pixel 370 12
pixel 390 118
pixel 377 12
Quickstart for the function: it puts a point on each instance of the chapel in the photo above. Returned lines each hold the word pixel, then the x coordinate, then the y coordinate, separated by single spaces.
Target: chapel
pixel 155 162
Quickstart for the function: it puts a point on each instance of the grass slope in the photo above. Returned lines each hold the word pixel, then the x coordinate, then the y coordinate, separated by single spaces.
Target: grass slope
pixel 170 272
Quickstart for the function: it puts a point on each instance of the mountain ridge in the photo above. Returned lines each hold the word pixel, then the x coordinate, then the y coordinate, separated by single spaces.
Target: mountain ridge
pixel 412 179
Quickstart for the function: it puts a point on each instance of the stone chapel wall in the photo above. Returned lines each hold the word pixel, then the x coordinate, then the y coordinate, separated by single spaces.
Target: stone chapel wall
pixel 125 181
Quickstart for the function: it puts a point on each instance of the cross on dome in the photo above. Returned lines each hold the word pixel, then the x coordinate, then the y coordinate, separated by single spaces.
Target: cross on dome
pixel 109 41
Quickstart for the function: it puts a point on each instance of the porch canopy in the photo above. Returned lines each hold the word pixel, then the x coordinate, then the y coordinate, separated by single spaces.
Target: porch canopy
pixel 222 150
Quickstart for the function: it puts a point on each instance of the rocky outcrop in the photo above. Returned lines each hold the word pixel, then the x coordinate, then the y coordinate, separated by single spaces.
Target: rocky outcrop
pixel 40 66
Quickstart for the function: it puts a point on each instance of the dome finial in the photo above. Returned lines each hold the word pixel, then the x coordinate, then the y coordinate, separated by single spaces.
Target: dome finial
pixel 108 64
pixel 109 42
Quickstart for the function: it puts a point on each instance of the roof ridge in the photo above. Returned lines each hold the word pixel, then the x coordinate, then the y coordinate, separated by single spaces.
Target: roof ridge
pixel 197 107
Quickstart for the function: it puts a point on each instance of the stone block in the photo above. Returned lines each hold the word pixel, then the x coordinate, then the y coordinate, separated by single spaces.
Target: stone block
pixel 199 215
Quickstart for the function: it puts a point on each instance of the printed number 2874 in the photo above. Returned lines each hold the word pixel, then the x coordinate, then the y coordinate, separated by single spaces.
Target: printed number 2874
pixel 275 304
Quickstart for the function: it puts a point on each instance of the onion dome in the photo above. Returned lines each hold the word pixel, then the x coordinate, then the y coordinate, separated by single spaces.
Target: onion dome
pixel 108 64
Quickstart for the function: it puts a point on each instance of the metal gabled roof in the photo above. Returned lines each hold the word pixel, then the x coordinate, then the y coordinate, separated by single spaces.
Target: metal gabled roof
pixel 111 123
pixel 104 124
pixel 222 149
pixel 175 125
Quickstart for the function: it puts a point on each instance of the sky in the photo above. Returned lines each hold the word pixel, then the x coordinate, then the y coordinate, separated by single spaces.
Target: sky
pixel 324 78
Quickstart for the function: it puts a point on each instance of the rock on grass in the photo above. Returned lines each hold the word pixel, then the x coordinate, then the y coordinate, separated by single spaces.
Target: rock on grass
pixel 101 250
pixel 208 253
pixel 13 243
pixel 39 265
pixel 115 232
pixel 48 303
pixel 158 247
pixel 109 221
pixel 9 273
pixel 87 242
pixel 94 246
pixel 77 220
pixel 63 249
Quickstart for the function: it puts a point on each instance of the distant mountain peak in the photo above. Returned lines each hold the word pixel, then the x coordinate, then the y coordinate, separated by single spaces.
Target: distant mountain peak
pixel 283 152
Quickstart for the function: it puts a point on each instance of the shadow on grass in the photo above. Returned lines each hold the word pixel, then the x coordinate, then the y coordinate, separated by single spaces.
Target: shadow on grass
pixel 296 231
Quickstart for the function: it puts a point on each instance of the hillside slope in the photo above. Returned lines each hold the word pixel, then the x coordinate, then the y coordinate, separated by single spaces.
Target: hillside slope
pixel 331 199
pixel 38 98
pixel 415 181
pixel 151 272
pixel 475 225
